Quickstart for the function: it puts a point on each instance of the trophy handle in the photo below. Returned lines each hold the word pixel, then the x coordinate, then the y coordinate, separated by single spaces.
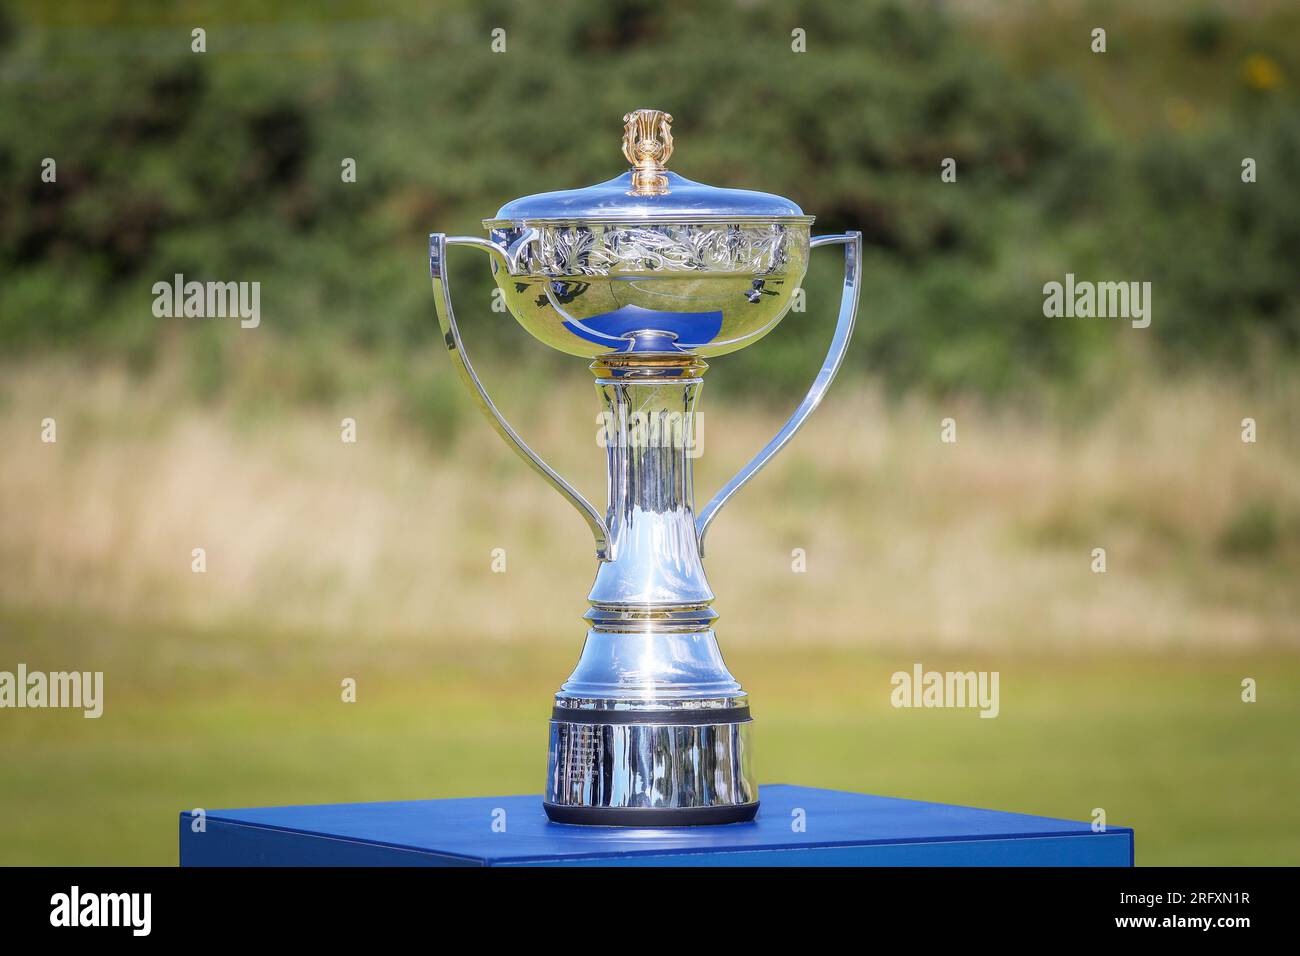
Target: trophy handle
pixel 852 242
pixel 438 244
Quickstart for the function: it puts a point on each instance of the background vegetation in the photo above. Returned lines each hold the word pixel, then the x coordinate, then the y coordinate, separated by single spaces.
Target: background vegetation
pixel 371 560
pixel 1119 165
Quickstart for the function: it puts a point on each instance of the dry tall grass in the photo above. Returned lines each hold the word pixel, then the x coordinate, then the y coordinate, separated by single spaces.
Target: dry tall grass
pixel 910 541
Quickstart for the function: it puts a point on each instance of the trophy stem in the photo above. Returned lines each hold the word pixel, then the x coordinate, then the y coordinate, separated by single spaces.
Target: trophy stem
pixel 650 729
pixel 652 435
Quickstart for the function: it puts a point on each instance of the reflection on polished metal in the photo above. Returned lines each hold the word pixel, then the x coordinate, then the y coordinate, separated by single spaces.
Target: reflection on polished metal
pixel 648 275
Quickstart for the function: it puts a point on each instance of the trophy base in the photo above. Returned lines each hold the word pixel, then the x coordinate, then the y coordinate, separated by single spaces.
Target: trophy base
pixel 686 765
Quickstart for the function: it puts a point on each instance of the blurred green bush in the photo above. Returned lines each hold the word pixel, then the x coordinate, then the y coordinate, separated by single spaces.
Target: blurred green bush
pixel 226 166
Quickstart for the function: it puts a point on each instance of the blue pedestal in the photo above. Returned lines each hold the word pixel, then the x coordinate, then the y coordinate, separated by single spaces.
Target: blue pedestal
pixel 838 829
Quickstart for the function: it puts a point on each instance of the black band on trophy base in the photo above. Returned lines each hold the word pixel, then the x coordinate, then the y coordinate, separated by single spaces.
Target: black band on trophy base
pixel 651 816
pixel 697 716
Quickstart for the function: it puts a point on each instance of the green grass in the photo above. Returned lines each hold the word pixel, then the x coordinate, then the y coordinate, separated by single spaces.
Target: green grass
pixel 195 719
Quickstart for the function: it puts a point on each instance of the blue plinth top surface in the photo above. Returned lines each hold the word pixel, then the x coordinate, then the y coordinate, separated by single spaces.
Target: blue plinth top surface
pixel 797 826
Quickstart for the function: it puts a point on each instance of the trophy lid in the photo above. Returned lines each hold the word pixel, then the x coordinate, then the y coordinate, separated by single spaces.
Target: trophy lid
pixel 648 191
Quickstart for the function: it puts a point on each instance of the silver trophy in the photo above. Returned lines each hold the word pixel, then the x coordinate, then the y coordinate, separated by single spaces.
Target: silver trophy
pixel 648 275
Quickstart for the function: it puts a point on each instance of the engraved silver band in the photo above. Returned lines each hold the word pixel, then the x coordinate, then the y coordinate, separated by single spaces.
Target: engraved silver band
pixel 602 767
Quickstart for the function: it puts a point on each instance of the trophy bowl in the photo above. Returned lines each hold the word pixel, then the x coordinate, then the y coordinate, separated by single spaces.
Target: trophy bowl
pixel 648 275
pixel 602 286
pixel 649 261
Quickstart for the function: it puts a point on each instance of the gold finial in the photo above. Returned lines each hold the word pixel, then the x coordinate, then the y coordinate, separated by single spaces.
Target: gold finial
pixel 647 144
